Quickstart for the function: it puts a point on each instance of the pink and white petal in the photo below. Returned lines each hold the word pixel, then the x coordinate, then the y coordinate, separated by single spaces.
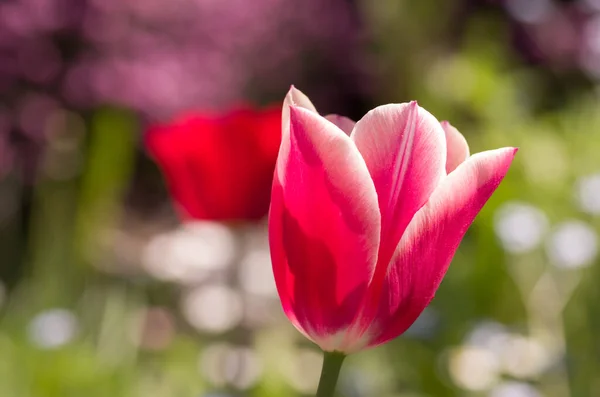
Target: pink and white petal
pixel 344 123
pixel 405 151
pixel 457 147
pixel 294 97
pixel 430 242
pixel 324 226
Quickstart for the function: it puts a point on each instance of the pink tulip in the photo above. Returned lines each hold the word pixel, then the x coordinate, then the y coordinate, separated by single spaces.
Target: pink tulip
pixel 365 217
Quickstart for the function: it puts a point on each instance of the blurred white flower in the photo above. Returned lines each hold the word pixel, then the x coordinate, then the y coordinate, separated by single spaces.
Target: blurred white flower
pixel 191 253
pixel 213 308
pixel 588 191
pixel 520 226
pixel 489 335
pixel 53 328
pixel 572 244
pixel 514 389
pixel 517 355
pixel 525 357
pixel 222 364
pixel 256 274
pixel 473 368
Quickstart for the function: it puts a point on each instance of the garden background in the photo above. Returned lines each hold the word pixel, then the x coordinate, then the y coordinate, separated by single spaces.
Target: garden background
pixel 104 291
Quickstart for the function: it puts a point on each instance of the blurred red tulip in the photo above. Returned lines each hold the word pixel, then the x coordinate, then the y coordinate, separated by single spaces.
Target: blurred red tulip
pixel 219 167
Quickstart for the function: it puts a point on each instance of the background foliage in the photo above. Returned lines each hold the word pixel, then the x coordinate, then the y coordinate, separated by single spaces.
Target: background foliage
pixel 104 292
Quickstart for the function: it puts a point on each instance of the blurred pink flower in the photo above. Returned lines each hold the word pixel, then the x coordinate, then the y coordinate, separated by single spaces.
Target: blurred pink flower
pixel 204 53
pixel 161 58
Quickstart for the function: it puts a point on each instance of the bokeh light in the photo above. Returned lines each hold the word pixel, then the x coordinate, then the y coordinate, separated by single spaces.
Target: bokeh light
pixel 473 368
pixel 514 389
pixel 189 254
pixel 588 194
pixel 225 364
pixel 524 357
pixel 572 244
pixel 520 227
pixel 53 328
pixel 256 275
pixel 213 308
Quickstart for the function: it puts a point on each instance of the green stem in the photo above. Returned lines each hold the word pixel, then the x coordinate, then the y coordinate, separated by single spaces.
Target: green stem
pixel 332 363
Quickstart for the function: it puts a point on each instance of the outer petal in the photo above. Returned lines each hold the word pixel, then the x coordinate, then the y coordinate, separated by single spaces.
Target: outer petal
pixel 457 147
pixel 344 123
pixel 425 251
pixel 294 97
pixel 176 147
pixel 323 227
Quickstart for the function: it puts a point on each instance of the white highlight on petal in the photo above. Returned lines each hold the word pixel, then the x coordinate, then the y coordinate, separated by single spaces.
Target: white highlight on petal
pixel 572 244
pixel 588 194
pixel 213 308
pixel 191 253
pixel 53 328
pixel 520 226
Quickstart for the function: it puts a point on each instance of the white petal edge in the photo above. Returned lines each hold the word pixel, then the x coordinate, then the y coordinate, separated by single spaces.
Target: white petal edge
pixel 457 147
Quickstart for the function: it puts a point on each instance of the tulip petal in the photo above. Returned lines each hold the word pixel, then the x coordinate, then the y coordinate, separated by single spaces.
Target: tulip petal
pixel 172 147
pixel 404 149
pixel 344 123
pixel 324 227
pixel 457 147
pixel 294 97
pixel 430 241
pixel 218 166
